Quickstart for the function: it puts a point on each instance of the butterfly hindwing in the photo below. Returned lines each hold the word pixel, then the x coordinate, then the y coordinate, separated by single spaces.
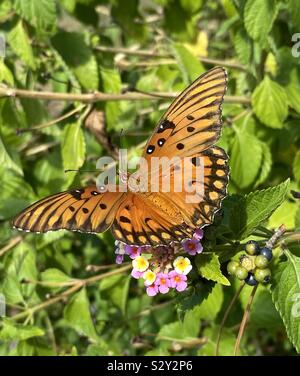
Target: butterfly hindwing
pixel 149 220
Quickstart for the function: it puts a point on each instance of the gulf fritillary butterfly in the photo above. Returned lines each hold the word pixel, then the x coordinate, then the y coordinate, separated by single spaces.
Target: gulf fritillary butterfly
pixel 190 128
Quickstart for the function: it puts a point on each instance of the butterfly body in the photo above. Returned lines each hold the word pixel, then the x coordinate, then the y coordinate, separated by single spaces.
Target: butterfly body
pixel 147 213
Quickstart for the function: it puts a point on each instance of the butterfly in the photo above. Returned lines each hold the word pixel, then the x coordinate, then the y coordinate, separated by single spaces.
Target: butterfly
pixel 189 129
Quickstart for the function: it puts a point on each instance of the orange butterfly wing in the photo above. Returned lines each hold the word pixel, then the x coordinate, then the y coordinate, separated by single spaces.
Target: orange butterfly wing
pixel 189 128
pixel 193 121
pixel 149 220
pixel 85 210
pixel 214 181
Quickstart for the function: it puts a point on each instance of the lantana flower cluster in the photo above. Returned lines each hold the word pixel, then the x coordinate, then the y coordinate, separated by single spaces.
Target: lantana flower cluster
pixel 163 267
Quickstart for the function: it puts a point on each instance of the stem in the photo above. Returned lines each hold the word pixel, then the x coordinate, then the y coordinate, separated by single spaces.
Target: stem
pixel 40 148
pixel 99 97
pixel 276 236
pixel 152 54
pixel 293 237
pixel 97 268
pixel 244 321
pixel 78 284
pixel 51 122
pixel 12 243
pixel 233 300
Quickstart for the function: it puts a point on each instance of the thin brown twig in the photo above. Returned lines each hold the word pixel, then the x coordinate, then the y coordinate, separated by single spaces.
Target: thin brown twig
pixel 78 284
pixel 12 243
pixel 96 268
pixel 228 310
pixel 153 54
pixel 40 148
pixel 244 321
pixel 99 97
pixel 51 122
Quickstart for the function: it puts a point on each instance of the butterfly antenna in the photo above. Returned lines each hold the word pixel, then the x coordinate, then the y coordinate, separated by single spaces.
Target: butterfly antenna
pixel 225 317
pixel 121 171
pixel 244 321
pixel 81 170
pixel 121 135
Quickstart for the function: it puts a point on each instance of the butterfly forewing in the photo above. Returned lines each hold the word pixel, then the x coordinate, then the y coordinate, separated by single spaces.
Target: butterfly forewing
pixel 193 121
pixel 86 210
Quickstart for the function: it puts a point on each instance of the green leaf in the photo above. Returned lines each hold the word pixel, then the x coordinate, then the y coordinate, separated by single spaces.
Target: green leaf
pixel 13 332
pixel 72 149
pixel 79 57
pixel 270 103
pixel 263 312
pixel 209 308
pixel 99 349
pixel 7 161
pixel 11 289
pixel 55 276
pixel 266 164
pixel 246 158
pixel 296 167
pixel 111 82
pixel 77 314
pixel 193 296
pixel 242 45
pixel 39 13
pixel 191 6
pixel 226 346
pixel 259 17
pixel 286 296
pixel 294 11
pixel 69 5
pixel 179 331
pixel 256 207
pixel 286 213
pixel 5 8
pixel 189 64
pixel 292 91
pixel 117 287
pixel 208 266
pixel 110 282
pixel 5 74
pixel 20 44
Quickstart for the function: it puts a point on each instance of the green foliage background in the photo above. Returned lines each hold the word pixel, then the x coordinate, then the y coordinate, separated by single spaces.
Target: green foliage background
pixel 55 305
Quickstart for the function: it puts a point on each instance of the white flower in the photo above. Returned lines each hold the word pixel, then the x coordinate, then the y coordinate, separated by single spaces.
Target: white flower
pixel 182 265
pixel 149 277
pixel 140 263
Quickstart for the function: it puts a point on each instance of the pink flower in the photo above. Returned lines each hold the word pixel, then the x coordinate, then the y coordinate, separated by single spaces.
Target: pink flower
pixel 163 283
pixel 152 290
pixel 177 281
pixel 192 246
pixel 132 251
pixel 136 274
pixel 119 259
pixel 198 234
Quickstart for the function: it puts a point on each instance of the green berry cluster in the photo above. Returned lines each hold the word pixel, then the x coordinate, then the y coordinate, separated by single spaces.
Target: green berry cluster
pixel 253 266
